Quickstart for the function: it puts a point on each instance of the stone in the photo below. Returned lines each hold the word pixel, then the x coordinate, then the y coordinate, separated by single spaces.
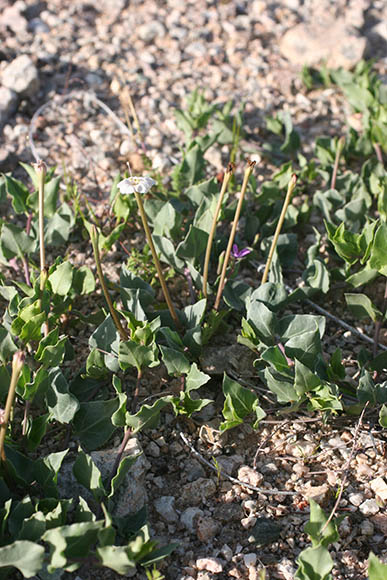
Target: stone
pixel 301 449
pixel 367 528
pixel 198 491
pixel 319 493
pixel 265 531
pixel 21 76
pixel 249 475
pixel 164 506
pixel 379 487
pixel 151 31
pixel 249 559
pixel 194 470
pixel 206 528
pixel 12 18
pixel 213 565
pixel 356 498
pixel 380 521
pixel 8 104
pixel 328 40
pixel 153 450
pixel 189 517
pixel 369 507
pixel 227 512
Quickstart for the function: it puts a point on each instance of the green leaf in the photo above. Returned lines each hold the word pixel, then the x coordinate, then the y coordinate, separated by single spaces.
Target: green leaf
pixel 123 468
pixel 118 558
pixel 19 193
pixel 195 378
pixel 281 386
pixel 383 416
pixel 262 320
pixel 14 242
pixel 193 246
pixel 60 402
pixel 62 278
pixel 136 355
pixel 314 564
pixel 175 361
pixel 93 424
pixel 88 475
pixel 239 402
pixel 71 543
pixel 304 380
pixel 376 569
pixel 362 307
pixel 83 280
pixel 147 416
pixel 7 346
pixel 26 556
pixel 317 523
pixel 58 227
pixel 378 258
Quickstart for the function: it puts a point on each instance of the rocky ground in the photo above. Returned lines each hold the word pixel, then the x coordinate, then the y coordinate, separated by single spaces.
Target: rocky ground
pixel 60 52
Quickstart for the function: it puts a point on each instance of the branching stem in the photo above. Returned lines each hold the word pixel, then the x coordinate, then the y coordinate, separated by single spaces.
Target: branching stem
pixel 17 366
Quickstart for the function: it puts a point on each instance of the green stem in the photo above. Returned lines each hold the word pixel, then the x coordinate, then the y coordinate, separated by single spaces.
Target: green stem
pixel 226 179
pixel 339 150
pixel 94 241
pixel 248 172
pixel 41 172
pixel 291 186
pixel 156 259
pixel 17 365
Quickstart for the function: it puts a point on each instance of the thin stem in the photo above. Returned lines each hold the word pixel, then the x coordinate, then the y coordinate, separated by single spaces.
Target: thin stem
pixel 120 452
pixel 339 150
pixel 248 172
pixel 378 151
pixel 156 259
pixel 17 365
pixel 136 391
pixel 41 171
pixel 225 182
pixel 291 186
pixel 94 241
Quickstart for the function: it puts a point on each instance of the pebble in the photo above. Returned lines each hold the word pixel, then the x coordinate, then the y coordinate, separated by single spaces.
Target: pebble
pixel 356 498
pixel 367 528
pixel 152 449
pixel 206 528
pixel 249 475
pixel 318 493
pixel 249 559
pixel 189 517
pixel 213 565
pixel 198 491
pixel 12 18
pixel 21 76
pixel 369 507
pixel 164 506
pixel 226 552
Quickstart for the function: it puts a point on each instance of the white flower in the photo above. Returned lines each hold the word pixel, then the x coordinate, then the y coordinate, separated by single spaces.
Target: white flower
pixel 138 184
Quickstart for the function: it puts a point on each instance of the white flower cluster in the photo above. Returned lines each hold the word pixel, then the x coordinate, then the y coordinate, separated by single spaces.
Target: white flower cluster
pixel 136 184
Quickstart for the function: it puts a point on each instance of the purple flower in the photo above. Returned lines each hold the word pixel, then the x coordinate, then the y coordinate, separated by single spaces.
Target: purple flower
pixel 239 254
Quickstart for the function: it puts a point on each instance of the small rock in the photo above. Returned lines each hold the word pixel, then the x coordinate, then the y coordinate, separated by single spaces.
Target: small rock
pixel 301 449
pixel 329 40
pixel 265 532
pixel 379 487
pixel 8 104
pixel 226 552
pixel 249 475
pixel 21 76
pixel 369 507
pixel 164 506
pixel 206 529
pixel 380 521
pixel 318 493
pixel 367 528
pixel 189 517
pixel 12 19
pixel 213 565
pixel 194 470
pixel 151 31
pixel 197 491
pixel 229 463
pixel 356 498
pixel 153 449
pixel 227 512
pixel 250 559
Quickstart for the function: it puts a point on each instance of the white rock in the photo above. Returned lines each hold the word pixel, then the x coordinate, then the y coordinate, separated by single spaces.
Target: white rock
pixel 165 507
pixel 226 552
pixel 213 565
pixel 250 559
pixel 189 517
pixel 356 498
pixel 151 31
pixel 249 475
pixel 21 76
pixel 369 507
